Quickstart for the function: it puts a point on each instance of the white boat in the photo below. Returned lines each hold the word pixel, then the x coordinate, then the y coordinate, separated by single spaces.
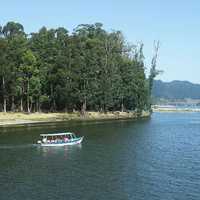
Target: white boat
pixel 59 139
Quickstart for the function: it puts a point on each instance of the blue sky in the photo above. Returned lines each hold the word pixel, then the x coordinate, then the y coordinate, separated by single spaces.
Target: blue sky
pixel 175 23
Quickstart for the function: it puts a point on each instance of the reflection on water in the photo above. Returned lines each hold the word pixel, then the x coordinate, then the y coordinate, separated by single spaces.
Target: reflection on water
pixel 64 150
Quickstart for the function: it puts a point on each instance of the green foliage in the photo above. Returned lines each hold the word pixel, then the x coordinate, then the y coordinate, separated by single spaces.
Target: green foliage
pixel 89 69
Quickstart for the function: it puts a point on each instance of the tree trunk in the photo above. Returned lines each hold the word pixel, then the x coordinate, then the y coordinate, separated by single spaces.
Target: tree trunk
pixel 4 96
pixel 84 106
pixel 28 102
pixel 122 105
pixel 37 105
pixel 53 103
pixel 21 104
pixel 13 104
pixel 4 104
pixel 31 105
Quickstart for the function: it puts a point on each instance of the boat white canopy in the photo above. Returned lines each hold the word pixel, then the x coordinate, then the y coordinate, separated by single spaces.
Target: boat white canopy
pixel 55 134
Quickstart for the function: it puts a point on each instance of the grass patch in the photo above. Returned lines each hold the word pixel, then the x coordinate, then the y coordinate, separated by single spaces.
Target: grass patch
pixel 11 118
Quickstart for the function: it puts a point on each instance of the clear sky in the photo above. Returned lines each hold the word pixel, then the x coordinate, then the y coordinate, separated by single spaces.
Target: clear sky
pixel 176 23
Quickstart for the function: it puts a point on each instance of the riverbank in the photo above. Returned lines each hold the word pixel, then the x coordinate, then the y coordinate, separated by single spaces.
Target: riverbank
pixel 10 118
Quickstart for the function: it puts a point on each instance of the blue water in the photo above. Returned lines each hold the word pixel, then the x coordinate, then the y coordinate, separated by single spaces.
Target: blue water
pixel 150 159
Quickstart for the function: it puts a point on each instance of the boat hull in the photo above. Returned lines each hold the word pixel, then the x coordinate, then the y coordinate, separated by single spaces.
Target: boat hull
pixel 71 142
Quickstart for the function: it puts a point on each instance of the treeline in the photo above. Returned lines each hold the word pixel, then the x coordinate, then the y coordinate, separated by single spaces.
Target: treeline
pixel 89 69
pixel 175 90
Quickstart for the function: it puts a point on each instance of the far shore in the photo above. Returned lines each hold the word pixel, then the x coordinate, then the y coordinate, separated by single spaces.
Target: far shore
pixel 18 118
pixel 174 109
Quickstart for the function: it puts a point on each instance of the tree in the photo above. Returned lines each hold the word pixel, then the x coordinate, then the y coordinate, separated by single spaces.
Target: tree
pixel 28 70
pixel 4 71
pixel 153 71
pixel 14 34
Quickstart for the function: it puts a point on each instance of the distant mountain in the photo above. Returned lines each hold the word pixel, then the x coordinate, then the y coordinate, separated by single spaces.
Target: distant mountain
pixel 175 90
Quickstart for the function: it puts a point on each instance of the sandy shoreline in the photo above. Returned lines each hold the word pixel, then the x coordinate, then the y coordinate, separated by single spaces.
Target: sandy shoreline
pixel 10 119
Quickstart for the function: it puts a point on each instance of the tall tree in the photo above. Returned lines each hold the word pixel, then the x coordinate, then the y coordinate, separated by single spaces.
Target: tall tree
pixel 28 69
pixel 15 36
pixel 153 71
pixel 4 71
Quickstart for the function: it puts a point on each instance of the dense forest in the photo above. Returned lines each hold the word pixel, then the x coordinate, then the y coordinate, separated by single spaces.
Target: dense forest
pixel 88 69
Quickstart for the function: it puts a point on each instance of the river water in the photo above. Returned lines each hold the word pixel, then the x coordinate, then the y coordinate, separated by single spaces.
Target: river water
pixel 152 159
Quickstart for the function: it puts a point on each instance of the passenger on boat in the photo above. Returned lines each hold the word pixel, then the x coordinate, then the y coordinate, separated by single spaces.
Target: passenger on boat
pixel 65 139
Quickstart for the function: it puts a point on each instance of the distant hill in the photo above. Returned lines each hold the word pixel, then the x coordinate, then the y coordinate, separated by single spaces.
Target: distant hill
pixel 176 90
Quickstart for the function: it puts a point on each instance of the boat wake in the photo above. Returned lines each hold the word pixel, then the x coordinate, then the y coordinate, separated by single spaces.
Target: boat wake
pixel 19 146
